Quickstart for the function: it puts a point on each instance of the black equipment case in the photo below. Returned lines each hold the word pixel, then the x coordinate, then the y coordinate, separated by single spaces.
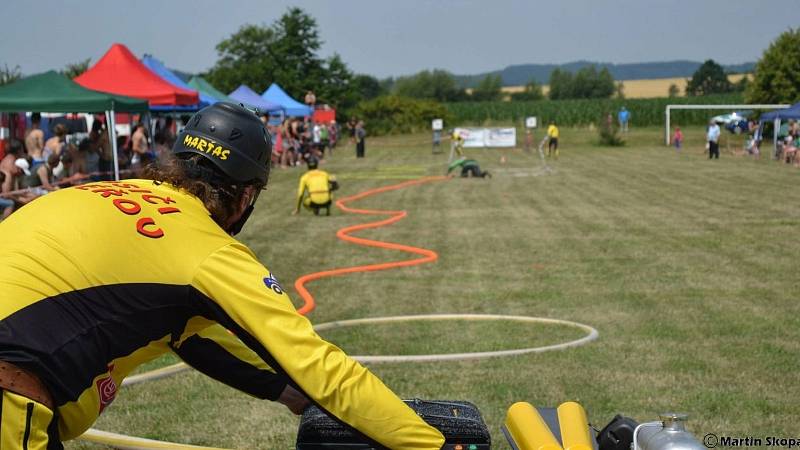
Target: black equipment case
pixel 460 423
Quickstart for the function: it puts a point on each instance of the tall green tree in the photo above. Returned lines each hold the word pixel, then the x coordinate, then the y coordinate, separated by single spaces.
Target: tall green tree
pixel 283 53
pixel 777 75
pixel 245 58
pixel 708 79
pixel 587 82
pixel 584 82
pixel 604 86
pixel 295 52
pixel 561 85
pixel 488 89
pixel 73 70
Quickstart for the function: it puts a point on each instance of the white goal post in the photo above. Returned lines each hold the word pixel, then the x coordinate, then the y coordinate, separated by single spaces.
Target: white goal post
pixel 728 107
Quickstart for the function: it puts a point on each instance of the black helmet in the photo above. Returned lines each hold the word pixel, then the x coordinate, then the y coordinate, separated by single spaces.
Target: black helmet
pixel 312 163
pixel 232 138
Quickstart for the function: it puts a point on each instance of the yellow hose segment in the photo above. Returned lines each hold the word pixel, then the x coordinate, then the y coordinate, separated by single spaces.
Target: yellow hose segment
pixel 528 430
pixel 574 427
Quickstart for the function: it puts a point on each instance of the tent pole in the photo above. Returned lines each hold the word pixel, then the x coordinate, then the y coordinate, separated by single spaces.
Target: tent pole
pixel 150 132
pixel 112 136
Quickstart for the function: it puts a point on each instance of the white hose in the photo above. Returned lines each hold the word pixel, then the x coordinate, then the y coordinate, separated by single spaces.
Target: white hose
pixel 591 335
pixel 124 442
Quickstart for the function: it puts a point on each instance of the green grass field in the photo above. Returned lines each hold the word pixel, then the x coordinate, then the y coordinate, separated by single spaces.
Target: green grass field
pixel 685 266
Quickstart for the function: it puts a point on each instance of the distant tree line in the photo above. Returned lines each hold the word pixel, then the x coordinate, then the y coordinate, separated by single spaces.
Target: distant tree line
pixel 441 86
pixel 585 83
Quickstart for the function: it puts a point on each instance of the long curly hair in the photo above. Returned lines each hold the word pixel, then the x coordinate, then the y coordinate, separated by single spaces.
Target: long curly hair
pixel 196 175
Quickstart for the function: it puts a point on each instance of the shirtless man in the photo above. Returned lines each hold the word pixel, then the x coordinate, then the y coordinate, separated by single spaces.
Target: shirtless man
pixel 139 145
pixel 34 138
pixel 10 171
pixel 55 144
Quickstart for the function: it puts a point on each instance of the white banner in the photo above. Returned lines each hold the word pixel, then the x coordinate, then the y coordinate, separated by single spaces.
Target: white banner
pixel 501 137
pixel 473 137
pixel 488 137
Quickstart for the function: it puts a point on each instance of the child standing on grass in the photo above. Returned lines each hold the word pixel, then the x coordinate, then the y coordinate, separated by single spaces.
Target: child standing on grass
pixel 677 139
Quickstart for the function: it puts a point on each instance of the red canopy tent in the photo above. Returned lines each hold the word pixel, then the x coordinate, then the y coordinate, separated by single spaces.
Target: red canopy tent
pixel 120 72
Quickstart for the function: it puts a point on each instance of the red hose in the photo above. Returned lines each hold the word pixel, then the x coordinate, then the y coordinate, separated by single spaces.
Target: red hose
pixel 344 234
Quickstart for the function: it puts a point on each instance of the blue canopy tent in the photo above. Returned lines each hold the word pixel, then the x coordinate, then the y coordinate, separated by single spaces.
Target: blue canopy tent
pixel 792 112
pixel 292 107
pixel 167 75
pixel 252 100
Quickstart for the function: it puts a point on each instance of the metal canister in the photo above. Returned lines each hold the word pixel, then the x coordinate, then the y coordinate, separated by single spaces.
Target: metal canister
pixel 672 435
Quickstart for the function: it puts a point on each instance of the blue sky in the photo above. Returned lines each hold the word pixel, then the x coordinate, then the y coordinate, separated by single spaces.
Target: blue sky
pixel 384 38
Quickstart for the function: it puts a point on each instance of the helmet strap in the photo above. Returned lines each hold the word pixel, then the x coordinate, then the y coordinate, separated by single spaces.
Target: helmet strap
pixel 237 226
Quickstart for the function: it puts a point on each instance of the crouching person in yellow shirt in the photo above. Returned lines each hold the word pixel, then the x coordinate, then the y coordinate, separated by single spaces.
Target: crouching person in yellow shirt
pixel 319 186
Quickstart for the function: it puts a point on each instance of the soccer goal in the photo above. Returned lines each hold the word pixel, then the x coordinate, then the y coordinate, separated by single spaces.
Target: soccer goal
pixel 727 107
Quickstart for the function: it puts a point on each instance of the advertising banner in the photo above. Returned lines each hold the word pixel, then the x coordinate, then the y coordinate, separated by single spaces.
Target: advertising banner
pixel 488 137
pixel 501 137
pixel 473 137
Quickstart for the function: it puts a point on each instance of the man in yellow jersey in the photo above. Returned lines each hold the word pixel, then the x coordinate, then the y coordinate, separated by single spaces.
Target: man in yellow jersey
pixel 552 139
pixel 138 268
pixel 319 186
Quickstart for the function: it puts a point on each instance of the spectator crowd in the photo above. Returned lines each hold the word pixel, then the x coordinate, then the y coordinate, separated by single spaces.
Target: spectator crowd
pixel 34 166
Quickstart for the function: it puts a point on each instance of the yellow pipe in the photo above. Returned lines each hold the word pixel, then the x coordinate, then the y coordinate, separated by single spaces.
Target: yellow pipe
pixel 574 427
pixel 528 430
pixel 123 442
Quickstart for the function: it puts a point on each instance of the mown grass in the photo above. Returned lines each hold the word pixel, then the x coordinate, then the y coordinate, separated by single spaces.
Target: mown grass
pixel 685 266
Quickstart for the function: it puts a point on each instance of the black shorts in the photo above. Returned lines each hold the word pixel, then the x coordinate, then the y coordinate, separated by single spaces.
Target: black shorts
pixel 553 142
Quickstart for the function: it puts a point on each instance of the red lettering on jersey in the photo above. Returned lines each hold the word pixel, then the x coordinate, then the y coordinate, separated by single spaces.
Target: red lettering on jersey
pixel 168 210
pixel 129 207
pixel 108 192
pixel 152 199
pixel 152 233
pixel 124 185
pixel 86 187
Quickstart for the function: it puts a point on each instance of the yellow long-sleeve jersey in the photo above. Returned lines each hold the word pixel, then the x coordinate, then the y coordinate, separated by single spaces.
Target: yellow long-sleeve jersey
pixel 317 183
pixel 97 279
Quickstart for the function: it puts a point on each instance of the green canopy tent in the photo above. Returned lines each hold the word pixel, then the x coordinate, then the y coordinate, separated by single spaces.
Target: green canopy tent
pixel 201 85
pixel 54 92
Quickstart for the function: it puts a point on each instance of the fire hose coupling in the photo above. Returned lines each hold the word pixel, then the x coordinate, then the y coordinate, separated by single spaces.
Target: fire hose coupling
pixel 668 433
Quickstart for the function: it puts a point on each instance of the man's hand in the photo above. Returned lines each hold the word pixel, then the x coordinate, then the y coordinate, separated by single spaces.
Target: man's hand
pixel 294 400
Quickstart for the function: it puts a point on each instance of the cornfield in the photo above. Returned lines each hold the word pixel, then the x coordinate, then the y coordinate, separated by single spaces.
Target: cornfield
pixel 644 112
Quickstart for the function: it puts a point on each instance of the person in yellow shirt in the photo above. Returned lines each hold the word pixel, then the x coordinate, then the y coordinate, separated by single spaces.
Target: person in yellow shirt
pixel 552 139
pixel 457 143
pixel 319 185
pixel 138 268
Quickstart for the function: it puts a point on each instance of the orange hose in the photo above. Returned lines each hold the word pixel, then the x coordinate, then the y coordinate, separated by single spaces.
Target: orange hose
pixel 344 234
